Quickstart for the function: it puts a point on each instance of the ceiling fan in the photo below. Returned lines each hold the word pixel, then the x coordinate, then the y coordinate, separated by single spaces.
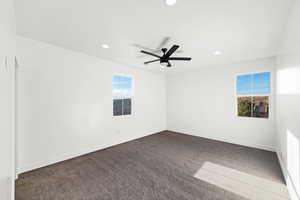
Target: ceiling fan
pixel 165 58
pixel 163 43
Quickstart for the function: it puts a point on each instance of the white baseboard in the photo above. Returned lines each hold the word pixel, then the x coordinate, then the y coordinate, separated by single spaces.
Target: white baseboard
pixel 67 156
pixel 257 146
pixel 290 185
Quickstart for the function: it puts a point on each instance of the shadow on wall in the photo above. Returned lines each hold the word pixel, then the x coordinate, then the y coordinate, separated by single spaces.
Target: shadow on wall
pixel 288 94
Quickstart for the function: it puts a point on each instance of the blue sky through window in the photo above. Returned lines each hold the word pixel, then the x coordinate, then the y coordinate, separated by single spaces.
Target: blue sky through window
pixel 254 84
pixel 122 87
pixel 244 84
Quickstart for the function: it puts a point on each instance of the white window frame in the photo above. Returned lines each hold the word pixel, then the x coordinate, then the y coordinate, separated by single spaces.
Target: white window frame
pixel 251 95
pixel 132 94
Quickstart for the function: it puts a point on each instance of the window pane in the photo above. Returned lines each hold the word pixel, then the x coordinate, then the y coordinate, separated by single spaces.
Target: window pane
pixel 261 83
pixel 244 106
pixel 117 107
pixel 244 84
pixel 254 88
pixel 261 106
pixel 122 87
pixel 126 106
pixel 122 94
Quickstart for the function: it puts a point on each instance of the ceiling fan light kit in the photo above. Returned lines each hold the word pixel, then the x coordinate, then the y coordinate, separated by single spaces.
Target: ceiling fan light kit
pixel 166 57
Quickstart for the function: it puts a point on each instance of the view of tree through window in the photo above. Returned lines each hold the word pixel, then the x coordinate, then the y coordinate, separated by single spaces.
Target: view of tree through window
pixel 253 92
pixel 122 95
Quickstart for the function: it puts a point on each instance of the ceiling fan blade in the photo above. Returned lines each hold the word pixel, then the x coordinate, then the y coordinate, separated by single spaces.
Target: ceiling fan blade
pixel 171 51
pixel 143 47
pixel 151 54
pixel 151 61
pixel 180 58
pixel 163 43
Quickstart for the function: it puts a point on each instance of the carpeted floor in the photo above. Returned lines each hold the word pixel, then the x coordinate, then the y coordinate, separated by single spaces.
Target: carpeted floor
pixel 164 166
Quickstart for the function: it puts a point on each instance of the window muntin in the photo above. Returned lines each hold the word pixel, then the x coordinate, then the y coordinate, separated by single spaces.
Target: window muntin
pixel 253 91
pixel 122 95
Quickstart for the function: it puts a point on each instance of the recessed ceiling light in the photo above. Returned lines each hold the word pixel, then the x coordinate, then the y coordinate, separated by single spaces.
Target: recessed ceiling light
pixel 170 2
pixel 217 53
pixel 105 46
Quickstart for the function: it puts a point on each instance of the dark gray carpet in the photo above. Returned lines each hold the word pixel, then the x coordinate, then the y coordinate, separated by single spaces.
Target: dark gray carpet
pixel 157 167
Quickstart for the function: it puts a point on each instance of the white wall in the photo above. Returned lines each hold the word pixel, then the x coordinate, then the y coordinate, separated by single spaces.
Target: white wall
pixel 7 52
pixel 65 104
pixel 288 102
pixel 203 103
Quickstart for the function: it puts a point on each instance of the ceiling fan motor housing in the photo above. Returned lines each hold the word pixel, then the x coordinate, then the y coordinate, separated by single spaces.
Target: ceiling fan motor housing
pixel 165 63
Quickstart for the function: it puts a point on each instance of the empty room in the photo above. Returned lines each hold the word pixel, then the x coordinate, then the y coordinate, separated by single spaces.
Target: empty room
pixel 150 100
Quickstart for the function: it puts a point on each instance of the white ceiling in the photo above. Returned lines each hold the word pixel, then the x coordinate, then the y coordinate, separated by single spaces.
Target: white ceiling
pixel 241 29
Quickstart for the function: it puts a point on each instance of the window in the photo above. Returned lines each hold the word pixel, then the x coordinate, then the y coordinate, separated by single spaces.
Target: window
pixel 122 95
pixel 253 94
